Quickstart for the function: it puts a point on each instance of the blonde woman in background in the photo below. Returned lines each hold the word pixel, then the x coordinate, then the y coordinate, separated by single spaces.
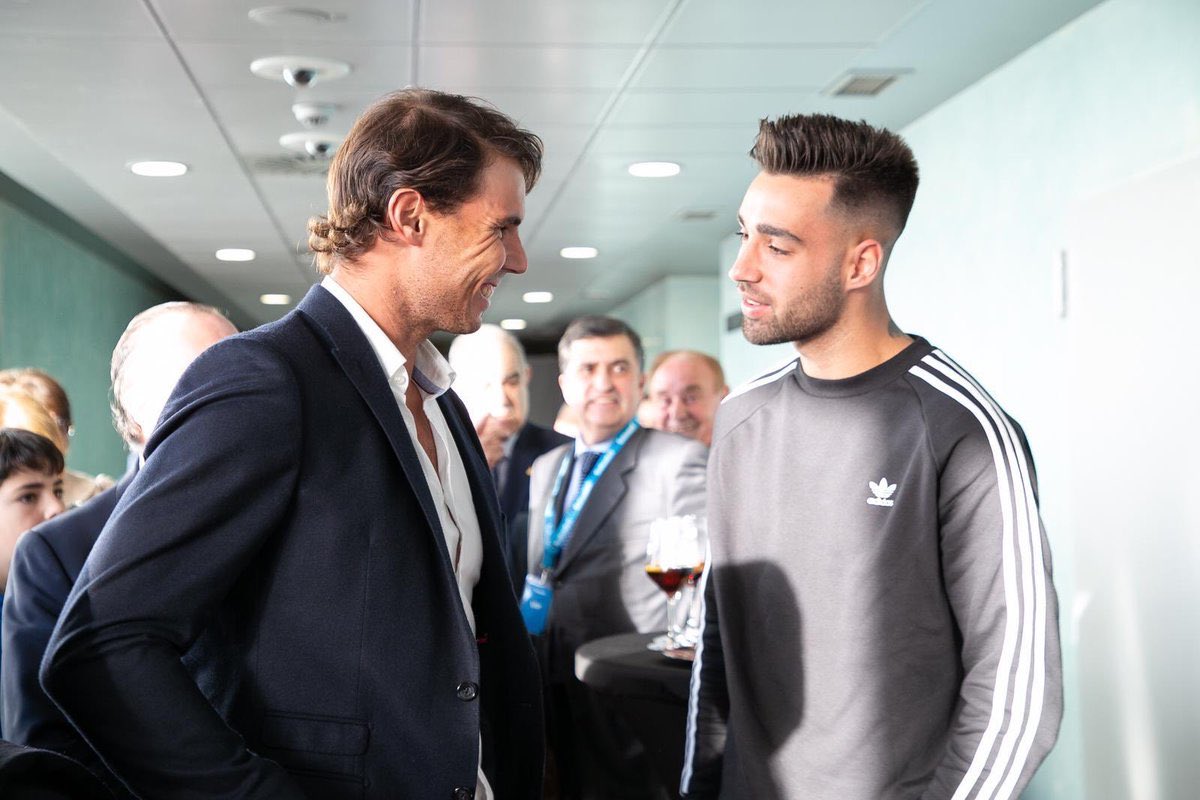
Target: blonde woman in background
pixel 77 486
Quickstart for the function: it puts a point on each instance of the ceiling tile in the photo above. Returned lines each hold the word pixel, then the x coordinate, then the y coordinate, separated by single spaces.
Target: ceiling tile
pixel 555 21
pixel 75 18
pixel 723 68
pixel 452 67
pixel 229 21
pixel 767 22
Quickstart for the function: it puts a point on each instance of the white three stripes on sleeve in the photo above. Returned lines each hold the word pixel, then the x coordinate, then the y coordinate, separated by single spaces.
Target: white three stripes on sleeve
pixel 689 743
pixel 1025 626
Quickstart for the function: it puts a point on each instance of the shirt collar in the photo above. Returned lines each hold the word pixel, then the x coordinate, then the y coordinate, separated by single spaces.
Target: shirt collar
pixel 431 371
pixel 599 447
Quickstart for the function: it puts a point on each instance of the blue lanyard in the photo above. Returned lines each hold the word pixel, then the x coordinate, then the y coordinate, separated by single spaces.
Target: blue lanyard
pixel 558 536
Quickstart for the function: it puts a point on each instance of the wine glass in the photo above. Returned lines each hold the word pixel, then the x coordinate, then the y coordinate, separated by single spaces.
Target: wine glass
pixel 674 556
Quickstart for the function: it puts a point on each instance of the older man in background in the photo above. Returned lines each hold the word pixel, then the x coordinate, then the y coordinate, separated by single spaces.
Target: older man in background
pixel 491 375
pixel 592 503
pixel 155 349
pixel 686 388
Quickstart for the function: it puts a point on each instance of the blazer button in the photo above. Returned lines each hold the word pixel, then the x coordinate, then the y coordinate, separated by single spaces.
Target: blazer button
pixel 463 793
pixel 467 691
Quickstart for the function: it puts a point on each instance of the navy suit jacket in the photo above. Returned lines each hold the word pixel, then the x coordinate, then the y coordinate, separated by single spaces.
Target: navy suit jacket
pixel 271 611
pixel 532 440
pixel 45 566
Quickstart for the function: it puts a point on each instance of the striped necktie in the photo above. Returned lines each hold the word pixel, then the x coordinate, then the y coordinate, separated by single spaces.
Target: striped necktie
pixel 587 460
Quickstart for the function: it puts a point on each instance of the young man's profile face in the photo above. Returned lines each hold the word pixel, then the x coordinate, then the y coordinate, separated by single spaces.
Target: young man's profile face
pixel 789 268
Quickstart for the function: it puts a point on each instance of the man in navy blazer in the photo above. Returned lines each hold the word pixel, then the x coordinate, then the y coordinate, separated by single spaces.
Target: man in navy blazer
pixel 302 592
pixel 156 347
pixel 492 378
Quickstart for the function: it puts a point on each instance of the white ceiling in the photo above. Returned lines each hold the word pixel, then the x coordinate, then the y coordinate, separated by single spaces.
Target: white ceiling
pixel 95 84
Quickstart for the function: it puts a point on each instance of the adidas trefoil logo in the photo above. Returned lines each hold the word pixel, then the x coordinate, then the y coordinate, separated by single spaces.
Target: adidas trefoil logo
pixel 882 492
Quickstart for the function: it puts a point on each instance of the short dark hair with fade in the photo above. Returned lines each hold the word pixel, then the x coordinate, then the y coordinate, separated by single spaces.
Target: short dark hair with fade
pixel 436 143
pixel 26 450
pixel 594 326
pixel 872 168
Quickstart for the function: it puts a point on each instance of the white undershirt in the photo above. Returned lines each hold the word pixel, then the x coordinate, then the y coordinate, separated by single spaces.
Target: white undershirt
pixel 448 484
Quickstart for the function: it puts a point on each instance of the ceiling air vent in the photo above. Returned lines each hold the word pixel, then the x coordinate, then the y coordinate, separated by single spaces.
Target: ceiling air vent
pixel 697 215
pixel 294 165
pixel 863 84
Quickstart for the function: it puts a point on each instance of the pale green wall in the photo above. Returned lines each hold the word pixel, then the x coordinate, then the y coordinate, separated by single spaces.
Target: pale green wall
pixel 1112 96
pixel 677 312
pixel 65 297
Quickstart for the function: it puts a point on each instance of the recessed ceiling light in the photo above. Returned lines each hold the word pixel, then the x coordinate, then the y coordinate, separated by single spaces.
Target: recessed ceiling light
pixel 275 299
pixel 654 169
pixel 513 324
pixel 538 297
pixel 158 169
pixel 579 252
pixel 235 254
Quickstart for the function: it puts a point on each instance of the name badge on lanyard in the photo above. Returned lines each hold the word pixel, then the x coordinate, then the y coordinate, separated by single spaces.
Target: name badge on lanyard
pixel 539 590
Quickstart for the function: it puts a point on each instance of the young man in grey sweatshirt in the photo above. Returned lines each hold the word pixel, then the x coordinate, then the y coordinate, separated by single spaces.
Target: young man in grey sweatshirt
pixel 880 620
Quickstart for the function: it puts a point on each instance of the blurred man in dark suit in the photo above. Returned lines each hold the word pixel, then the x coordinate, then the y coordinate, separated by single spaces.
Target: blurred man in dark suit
pixel 491 376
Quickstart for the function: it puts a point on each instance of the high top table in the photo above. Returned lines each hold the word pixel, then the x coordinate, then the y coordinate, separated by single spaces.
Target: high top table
pixel 649 691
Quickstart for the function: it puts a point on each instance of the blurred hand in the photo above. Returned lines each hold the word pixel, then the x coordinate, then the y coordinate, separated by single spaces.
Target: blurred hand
pixel 493 432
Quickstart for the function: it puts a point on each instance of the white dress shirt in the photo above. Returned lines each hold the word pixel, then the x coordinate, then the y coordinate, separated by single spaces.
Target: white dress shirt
pixel 447 483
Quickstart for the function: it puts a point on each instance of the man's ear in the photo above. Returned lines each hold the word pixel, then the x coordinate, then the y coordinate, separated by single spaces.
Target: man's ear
pixel 865 264
pixel 406 216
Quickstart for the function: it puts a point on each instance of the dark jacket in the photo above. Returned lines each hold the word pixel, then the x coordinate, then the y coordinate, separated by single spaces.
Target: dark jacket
pixel 271 610
pixel 45 565
pixel 532 441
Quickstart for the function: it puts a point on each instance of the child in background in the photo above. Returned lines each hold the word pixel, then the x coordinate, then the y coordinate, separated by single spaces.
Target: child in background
pixel 31 488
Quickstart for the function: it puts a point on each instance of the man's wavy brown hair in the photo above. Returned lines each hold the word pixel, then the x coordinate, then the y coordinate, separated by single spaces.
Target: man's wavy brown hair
pixel 873 169
pixel 436 143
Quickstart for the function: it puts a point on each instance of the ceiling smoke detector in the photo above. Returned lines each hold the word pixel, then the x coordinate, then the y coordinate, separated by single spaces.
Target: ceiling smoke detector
pixel 864 83
pixel 285 16
pixel 313 145
pixel 313 115
pixel 299 71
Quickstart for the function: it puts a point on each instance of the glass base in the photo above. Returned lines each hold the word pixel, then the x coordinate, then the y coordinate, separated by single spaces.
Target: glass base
pixel 660 643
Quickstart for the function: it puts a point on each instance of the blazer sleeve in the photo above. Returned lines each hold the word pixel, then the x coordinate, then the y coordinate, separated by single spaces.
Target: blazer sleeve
pixel 219 473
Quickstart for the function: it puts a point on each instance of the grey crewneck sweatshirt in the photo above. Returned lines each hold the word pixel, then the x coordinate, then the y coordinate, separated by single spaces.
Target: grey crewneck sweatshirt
pixel 880 620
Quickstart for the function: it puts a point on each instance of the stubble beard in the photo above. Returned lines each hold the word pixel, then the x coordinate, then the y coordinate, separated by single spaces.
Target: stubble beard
pixel 808 318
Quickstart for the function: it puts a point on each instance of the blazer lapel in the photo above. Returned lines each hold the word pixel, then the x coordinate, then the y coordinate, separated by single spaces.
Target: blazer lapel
pixel 353 352
pixel 607 495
